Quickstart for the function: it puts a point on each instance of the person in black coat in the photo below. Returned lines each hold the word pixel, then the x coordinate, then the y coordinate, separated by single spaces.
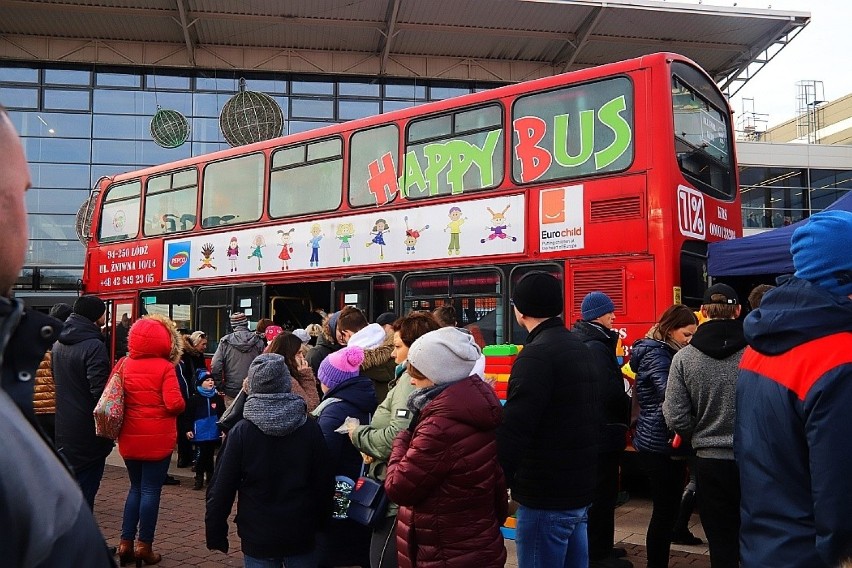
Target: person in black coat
pixel 191 361
pixel 547 444
pixel 277 460
pixel 80 371
pixel 595 330
pixel 347 393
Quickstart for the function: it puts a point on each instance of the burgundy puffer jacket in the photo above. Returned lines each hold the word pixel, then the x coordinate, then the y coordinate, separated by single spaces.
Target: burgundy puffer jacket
pixel 448 482
pixel 152 398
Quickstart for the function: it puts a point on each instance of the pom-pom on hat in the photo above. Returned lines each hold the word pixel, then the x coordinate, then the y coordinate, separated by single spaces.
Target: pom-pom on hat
pixel 238 319
pixel 272 331
pixel 446 355
pixel 90 307
pixel 268 374
pixel 720 294
pixel 538 295
pixel 201 375
pixel 820 251
pixel 340 366
pixel 595 305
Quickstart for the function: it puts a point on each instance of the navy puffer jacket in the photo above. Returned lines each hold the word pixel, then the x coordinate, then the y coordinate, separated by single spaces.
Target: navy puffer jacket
pixel 650 360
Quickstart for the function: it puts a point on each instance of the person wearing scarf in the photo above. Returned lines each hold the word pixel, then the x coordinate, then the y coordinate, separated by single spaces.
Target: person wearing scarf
pixel 277 461
pixel 198 424
pixel 443 470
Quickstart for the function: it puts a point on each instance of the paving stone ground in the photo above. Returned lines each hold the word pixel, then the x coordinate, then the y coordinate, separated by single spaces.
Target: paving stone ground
pixel 180 528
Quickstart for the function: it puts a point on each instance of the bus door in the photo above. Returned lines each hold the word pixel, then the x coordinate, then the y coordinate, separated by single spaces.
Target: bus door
pixel 215 304
pixel 120 315
pixel 373 295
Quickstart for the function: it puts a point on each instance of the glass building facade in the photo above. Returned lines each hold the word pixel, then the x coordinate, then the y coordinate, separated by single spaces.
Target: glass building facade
pixel 78 124
pixel 774 196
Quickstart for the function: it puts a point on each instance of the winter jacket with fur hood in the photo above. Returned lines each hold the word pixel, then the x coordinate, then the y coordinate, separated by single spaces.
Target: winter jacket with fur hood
pixel 152 397
pixel 378 356
pixel 448 482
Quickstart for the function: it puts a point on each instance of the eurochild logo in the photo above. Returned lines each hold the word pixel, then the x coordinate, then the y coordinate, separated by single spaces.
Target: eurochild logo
pixel 553 206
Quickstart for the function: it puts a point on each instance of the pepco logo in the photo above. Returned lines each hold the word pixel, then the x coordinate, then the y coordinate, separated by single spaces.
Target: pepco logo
pixel 178 260
pixel 553 206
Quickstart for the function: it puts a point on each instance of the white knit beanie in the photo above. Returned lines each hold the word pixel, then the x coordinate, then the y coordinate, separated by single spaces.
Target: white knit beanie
pixel 446 355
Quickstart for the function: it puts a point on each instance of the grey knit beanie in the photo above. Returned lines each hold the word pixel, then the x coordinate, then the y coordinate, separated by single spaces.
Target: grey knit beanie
pixel 268 374
pixel 446 355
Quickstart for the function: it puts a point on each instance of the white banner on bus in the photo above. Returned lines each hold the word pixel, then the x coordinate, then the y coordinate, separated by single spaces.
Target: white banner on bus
pixel 464 229
pixel 561 219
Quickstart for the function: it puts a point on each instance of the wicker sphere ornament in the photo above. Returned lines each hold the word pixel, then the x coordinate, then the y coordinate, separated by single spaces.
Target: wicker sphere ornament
pixel 250 117
pixel 169 128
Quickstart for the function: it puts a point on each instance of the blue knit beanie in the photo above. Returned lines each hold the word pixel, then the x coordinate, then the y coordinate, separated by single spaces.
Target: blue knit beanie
pixel 201 375
pixel 595 305
pixel 821 251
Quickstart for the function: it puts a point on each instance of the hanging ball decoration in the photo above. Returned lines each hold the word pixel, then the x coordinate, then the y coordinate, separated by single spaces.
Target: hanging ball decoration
pixel 250 117
pixel 169 128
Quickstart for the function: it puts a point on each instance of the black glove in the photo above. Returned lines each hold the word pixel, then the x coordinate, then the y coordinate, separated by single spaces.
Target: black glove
pixel 220 545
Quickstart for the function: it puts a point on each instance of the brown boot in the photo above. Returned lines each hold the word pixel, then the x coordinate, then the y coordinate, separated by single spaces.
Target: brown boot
pixel 125 553
pixel 145 554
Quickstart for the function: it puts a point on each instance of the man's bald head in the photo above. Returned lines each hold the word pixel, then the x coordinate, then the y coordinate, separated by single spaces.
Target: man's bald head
pixel 14 182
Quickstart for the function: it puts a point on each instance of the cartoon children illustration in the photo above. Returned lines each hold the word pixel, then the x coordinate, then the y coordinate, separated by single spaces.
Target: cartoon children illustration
pixel 345 231
pixel 233 253
pixel 456 221
pixel 411 236
pixel 259 242
pixel 378 232
pixel 207 256
pixel 286 248
pixel 314 243
pixel 498 225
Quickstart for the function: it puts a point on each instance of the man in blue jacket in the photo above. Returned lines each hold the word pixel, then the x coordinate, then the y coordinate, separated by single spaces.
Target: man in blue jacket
pixel 794 407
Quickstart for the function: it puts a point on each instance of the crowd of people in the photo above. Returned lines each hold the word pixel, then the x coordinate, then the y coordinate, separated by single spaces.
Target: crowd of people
pixel 760 403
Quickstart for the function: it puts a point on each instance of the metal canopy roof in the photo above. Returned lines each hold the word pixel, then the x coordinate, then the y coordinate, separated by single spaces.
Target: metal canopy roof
pixel 485 40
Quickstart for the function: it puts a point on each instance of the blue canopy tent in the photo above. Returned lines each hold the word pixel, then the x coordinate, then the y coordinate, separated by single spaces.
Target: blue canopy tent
pixel 763 253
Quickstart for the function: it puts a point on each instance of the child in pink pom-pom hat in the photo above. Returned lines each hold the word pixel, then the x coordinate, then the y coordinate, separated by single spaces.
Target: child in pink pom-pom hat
pixel 340 366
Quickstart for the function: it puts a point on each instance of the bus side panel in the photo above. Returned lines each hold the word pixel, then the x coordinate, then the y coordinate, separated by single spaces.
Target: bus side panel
pixel 629 282
pixel 590 217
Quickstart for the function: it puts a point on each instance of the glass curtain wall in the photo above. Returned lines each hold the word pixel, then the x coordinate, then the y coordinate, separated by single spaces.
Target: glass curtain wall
pixel 774 197
pixel 80 123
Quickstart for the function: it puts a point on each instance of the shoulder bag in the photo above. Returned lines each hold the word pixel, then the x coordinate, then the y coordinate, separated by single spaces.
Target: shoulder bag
pixel 233 413
pixel 109 411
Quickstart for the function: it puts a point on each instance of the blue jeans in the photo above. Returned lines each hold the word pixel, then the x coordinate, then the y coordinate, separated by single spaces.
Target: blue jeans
pixel 552 539
pixel 143 499
pixel 89 480
pixel 308 560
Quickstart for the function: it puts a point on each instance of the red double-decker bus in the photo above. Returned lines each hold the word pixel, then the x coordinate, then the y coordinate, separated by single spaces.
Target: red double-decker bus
pixel 613 178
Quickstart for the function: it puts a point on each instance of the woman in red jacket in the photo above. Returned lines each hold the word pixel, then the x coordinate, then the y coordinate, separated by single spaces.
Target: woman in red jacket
pixel 152 400
pixel 443 470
